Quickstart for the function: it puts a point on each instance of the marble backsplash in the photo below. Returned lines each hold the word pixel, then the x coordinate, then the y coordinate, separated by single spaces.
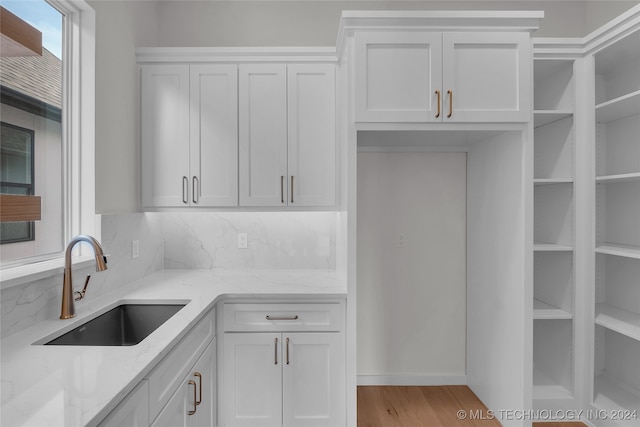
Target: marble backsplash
pixel 192 240
pixel 276 240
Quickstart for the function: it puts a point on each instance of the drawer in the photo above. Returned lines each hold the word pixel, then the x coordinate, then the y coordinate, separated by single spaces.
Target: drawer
pixel 165 378
pixel 274 317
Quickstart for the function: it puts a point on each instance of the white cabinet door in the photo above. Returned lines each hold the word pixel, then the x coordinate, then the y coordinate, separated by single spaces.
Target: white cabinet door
pixel 397 76
pixel 133 411
pixel 194 403
pixel 214 135
pixel 204 375
pixel 486 77
pixel 313 380
pixel 312 134
pixel 251 380
pixel 263 134
pixel 165 135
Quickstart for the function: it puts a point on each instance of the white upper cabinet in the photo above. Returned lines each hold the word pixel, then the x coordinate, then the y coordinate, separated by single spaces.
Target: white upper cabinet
pixel 165 135
pixel 189 135
pixel 425 76
pixel 287 134
pixel 398 75
pixel 486 77
pixel 214 135
pixel 263 134
pixel 312 134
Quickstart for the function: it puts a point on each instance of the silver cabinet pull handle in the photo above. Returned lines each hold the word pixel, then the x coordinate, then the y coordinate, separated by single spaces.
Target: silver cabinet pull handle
pixel 199 376
pixel 185 189
pixel 294 317
pixel 287 350
pixel 275 347
pixel 291 188
pixel 281 189
pixel 196 189
pixel 193 383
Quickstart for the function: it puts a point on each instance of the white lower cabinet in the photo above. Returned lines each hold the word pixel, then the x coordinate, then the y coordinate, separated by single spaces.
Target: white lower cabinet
pixel 181 388
pixel 273 379
pixel 194 403
pixel 133 411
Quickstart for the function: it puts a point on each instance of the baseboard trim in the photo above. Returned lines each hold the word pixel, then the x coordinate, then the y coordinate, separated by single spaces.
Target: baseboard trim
pixel 419 380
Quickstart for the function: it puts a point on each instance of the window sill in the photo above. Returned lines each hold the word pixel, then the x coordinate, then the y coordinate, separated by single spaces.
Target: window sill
pixel 19 275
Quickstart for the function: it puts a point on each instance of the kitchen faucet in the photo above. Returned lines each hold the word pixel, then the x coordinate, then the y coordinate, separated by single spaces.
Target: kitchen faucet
pixel 68 307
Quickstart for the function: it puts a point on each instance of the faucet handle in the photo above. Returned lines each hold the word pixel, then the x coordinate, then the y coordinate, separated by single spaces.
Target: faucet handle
pixel 78 295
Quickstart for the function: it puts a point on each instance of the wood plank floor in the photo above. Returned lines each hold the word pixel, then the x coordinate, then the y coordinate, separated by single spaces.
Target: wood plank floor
pixel 433 406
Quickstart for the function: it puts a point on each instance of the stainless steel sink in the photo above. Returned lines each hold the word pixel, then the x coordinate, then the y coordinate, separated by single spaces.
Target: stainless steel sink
pixel 124 325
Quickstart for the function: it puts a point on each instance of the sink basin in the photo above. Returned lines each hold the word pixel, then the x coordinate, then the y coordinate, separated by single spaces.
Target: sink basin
pixel 124 325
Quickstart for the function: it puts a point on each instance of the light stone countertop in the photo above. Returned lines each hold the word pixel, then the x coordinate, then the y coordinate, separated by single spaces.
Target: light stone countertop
pixel 67 386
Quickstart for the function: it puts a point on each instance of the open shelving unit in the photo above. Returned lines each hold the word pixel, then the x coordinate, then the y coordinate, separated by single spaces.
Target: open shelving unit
pixel 617 226
pixel 553 250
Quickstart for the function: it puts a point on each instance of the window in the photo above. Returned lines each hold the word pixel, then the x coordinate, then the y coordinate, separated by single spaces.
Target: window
pixel 62 174
pixel 31 141
pixel 16 177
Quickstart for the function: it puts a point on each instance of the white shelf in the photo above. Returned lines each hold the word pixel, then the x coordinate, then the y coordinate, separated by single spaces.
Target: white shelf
pixel 623 177
pixel 544 311
pixel 544 117
pixel 550 181
pixel 618 108
pixel 618 250
pixel 622 321
pixel 550 247
pixel 610 395
pixel 545 387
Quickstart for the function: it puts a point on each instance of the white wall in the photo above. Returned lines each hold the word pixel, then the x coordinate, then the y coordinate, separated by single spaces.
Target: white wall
pixel 312 23
pixel 411 268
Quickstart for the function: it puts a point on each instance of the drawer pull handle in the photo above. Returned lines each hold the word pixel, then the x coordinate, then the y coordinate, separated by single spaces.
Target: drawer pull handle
pixel 281 189
pixel 193 383
pixel 275 347
pixel 185 190
pixel 438 93
pixel 287 350
pixel 199 376
pixel 450 92
pixel 282 317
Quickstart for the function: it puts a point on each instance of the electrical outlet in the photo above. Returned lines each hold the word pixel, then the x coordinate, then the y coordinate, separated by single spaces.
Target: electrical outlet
pixel 135 249
pixel 243 241
pixel 400 243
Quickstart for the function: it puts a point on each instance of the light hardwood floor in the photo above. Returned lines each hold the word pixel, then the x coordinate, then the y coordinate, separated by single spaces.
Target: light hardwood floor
pixel 434 406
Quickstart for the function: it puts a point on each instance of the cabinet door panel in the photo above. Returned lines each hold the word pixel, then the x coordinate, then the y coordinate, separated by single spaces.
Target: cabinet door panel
pixel 205 415
pixel 489 76
pixel 313 380
pixel 263 134
pixel 312 134
pixel 165 135
pixel 397 75
pixel 214 135
pixel 252 384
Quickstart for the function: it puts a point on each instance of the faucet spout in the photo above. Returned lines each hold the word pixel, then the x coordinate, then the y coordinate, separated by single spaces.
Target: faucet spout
pixel 68 307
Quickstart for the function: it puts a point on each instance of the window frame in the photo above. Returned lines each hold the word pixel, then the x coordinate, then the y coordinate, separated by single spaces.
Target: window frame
pixel 78 135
